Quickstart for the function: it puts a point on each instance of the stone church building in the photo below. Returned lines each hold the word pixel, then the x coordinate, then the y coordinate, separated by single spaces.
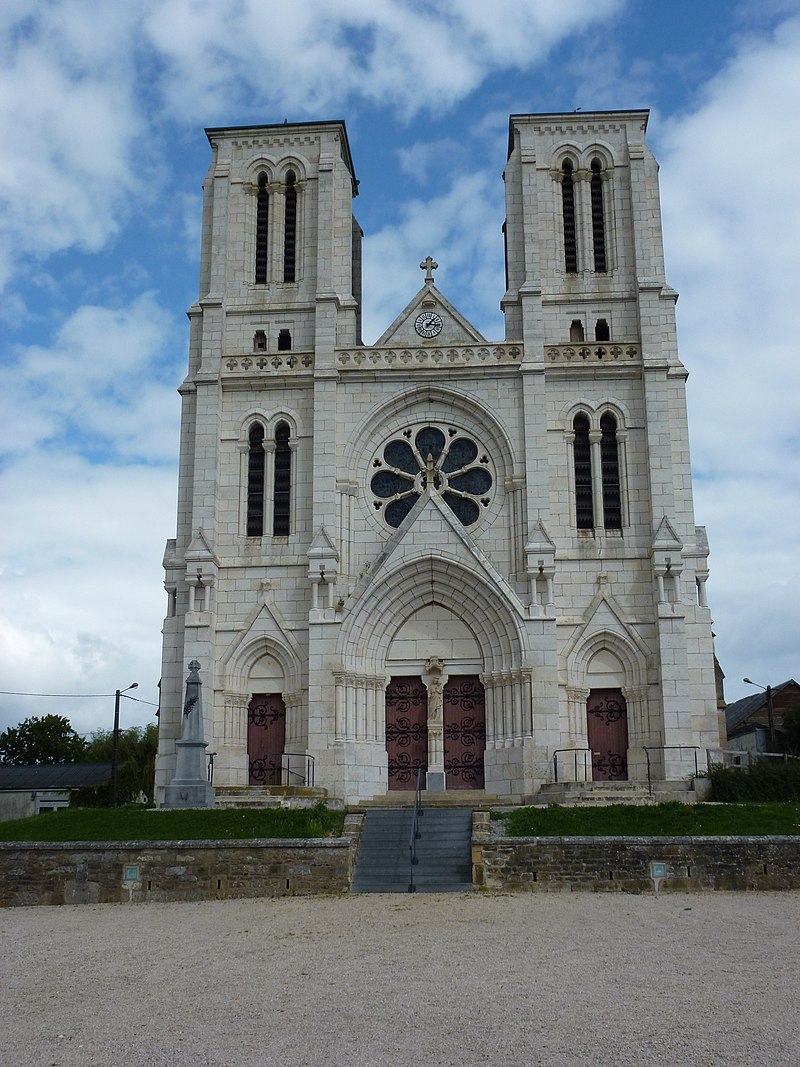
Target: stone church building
pixel 473 558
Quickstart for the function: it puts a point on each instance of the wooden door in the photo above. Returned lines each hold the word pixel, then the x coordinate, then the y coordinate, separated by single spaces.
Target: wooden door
pixel 607 720
pixel 266 730
pixel 464 715
pixel 406 731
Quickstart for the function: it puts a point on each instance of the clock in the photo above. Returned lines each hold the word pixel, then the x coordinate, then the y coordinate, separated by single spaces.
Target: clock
pixel 428 324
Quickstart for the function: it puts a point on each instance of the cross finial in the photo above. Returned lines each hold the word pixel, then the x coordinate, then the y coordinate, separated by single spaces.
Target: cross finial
pixel 429 267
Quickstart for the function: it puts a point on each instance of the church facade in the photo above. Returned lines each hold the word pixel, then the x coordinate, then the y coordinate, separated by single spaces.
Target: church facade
pixel 472 559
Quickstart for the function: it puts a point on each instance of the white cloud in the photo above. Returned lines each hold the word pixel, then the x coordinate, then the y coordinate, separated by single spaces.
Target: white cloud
pixel 732 232
pixel 69 121
pixel 462 230
pixel 80 597
pixel 106 378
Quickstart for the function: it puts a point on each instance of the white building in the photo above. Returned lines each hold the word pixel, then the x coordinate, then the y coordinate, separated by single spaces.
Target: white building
pixel 438 552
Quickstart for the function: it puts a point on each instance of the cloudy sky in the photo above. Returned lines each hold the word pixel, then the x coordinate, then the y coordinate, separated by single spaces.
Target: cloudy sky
pixel 102 109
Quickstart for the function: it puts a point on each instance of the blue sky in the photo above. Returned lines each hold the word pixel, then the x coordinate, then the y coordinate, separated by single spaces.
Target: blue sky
pixel 102 110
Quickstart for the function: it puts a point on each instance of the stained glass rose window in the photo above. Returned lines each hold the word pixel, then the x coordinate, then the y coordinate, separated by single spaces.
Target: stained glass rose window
pixel 439 458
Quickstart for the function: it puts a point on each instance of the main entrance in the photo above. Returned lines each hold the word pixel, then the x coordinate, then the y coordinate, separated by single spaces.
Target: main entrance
pixel 464 732
pixel 607 720
pixel 406 731
pixel 463 728
pixel 266 730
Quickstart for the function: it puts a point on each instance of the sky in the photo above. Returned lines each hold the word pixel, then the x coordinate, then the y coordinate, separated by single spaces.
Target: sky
pixel 102 113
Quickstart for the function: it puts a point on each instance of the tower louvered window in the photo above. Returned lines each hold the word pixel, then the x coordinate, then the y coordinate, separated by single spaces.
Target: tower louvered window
pixel 290 229
pixel 609 463
pixel 281 501
pixel 582 451
pixel 255 482
pixel 598 218
pixel 262 229
pixel 568 211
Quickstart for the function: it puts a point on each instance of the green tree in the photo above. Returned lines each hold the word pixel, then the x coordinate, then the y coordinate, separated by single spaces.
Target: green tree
pixel 136 762
pixel 791 731
pixel 42 739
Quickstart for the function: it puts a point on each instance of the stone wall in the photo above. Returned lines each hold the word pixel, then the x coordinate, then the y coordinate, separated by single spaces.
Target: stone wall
pixel 140 871
pixel 623 864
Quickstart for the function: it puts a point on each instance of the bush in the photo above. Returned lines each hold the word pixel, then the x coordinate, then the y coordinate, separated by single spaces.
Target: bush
pixel 763 780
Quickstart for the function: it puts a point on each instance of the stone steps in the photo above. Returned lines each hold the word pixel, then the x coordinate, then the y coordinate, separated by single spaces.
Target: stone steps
pixel 279 796
pixel 593 794
pixel 444 852
pixel 456 798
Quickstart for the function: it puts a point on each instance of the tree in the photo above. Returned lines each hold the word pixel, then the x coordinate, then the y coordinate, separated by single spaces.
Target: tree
pixel 42 739
pixel 791 731
pixel 136 764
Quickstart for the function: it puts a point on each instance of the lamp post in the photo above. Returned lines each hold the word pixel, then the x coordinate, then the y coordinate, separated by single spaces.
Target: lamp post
pixel 770 715
pixel 115 747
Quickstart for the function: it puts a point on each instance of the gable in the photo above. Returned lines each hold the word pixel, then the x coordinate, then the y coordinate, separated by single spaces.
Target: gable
pixel 419 323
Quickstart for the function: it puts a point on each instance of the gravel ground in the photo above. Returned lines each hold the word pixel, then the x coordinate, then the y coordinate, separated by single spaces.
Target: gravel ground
pixel 451 980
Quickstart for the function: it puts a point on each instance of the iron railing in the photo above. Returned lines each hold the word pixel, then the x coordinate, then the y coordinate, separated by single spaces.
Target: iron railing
pixel 584 752
pixel 667 748
pixel 415 832
pixel 283 768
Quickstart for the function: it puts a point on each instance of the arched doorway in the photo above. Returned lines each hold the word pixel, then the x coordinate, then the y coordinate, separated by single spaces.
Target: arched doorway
pixel 607 718
pixel 266 723
pixel 607 730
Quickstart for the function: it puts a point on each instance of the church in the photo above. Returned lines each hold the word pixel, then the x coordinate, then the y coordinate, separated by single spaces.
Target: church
pixel 440 556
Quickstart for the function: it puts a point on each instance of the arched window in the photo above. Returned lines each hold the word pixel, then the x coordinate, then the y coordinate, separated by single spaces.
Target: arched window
pixel 609 465
pixel 598 218
pixel 259 341
pixel 576 330
pixel 262 228
pixel 582 452
pixel 568 211
pixel 281 500
pixel 601 330
pixel 284 341
pixel 290 228
pixel 255 481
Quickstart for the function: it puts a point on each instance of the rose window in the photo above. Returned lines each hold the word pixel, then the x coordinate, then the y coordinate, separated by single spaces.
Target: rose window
pixel 431 458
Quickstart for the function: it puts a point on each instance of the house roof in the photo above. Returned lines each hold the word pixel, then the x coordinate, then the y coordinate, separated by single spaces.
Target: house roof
pixel 736 713
pixel 52 775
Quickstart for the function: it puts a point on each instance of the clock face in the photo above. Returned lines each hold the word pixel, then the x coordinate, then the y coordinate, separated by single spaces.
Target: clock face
pixel 428 324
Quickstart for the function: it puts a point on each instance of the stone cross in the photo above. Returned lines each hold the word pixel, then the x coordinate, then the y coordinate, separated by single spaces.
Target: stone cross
pixel 429 267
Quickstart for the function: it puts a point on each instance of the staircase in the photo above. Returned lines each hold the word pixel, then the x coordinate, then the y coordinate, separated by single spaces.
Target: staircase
pixel 276 796
pixel 601 794
pixel 444 851
pixel 593 794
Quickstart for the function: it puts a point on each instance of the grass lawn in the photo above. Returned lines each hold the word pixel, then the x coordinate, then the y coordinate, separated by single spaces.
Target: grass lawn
pixel 658 820
pixel 139 824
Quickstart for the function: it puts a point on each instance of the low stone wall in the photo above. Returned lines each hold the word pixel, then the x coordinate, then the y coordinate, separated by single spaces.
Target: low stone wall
pixel 139 871
pixel 626 864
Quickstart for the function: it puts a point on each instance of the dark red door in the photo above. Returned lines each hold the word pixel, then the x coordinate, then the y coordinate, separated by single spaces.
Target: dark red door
pixel 464 732
pixel 607 718
pixel 406 731
pixel 266 730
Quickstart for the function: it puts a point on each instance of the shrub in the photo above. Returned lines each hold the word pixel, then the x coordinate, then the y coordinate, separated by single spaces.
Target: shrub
pixel 763 780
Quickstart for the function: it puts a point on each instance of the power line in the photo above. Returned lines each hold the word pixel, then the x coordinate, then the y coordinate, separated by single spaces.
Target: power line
pixel 82 696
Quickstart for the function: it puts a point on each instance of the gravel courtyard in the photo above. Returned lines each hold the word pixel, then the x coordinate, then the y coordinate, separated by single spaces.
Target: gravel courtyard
pixel 449 980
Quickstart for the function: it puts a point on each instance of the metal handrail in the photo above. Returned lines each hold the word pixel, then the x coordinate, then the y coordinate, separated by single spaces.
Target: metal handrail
pixel 281 761
pixel 666 748
pixel 415 832
pixel 575 751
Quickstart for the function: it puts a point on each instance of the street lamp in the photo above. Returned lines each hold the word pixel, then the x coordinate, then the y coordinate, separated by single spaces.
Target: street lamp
pixel 115 748
pixel 770 716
